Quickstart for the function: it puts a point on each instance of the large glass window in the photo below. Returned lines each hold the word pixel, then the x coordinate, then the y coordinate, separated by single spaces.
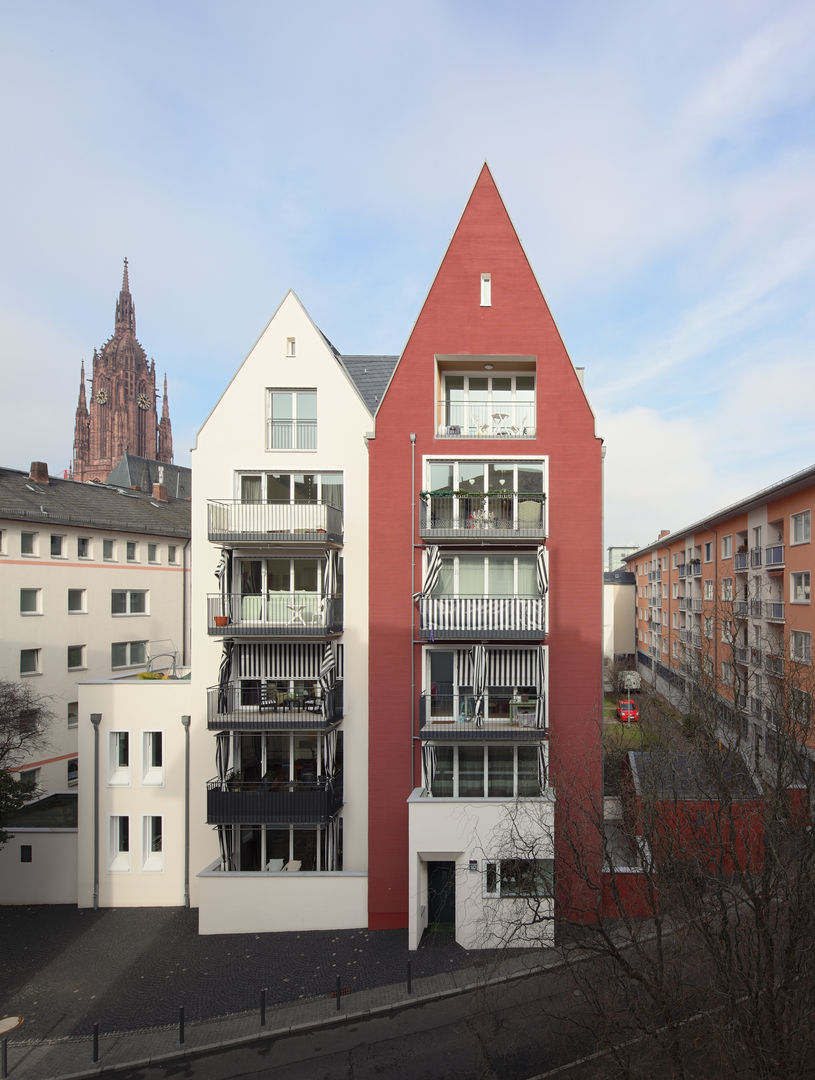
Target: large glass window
pixel 519 877
pixel 479 494
pixel 292 420
pixel 488 405
pixel 487 575
pixel 478 772
pixel 801 527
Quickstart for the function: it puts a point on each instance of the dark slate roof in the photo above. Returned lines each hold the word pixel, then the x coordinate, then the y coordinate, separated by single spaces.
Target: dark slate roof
pixel 140 472
pixel 370 375
pixel 688 775
pixel 51 812
pixel 619 577
pixel 98 506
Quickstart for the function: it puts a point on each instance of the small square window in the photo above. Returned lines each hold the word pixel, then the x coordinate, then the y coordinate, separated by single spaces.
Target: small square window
pixel 30 601
pixel 172 554
pixel 28 543
pixel 76 601
pixel 486 290
pixel 29 661
pixel 76 657
pixel 57 546
pixel 132 551
pixel 291 347
pixel 83 547
pixel 73 714
pixel 152 553
pixel 26 853
pixel 109 550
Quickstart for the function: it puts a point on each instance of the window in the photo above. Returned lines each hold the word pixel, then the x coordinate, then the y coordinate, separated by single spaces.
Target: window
pixel 727 588
pixel 727 547
pixel 152 843
pixel 799 587
pixel 108 550
pixel 29 661
pixel 292 420
pixel 83 547
pixel 119 765
pixel 801 646
pixel 153 757
pixel 128 654
pixel 483 406
pixel 132 551
pixel 291 346
pixel 800 527
pixel 519 877
pixel 664 618
pixel 675 650
pixel 293 488
pixel 675 560
pixel 28 543
pixel 708 626
pixel 709 551
pixel 26 853
pixel 664 562
pixel 152 553
pixel 676 590
pixel 76 601
pixel 675 618
pixel 31 601
pixel 708 588
pixel 73 714
pixel 76 657
pixel 128 602
pixel 73 772
pixel 57 546
pixel 269 849
pixel 119 843
pixel 727 631
pixel 487 575
pixel 707 666
pixel 471 494
pixel 30 780
pixel 172 554
pixel 486 290
pixel 478 772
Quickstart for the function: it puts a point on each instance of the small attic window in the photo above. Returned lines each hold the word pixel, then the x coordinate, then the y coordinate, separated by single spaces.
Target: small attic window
pixel 291 347
pixel 486 290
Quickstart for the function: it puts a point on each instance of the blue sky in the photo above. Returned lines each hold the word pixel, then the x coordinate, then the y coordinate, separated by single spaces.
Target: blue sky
pixel 658 161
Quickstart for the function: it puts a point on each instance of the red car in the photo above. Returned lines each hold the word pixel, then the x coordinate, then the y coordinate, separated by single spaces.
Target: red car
pixel 627 711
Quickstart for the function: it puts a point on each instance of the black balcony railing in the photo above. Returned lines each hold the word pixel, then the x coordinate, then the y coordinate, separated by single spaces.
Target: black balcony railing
pixel 249 707
pixel 505 716
pixel 298 614
pixel 492 517
pixel 241 802
pixel 475 617
pixel 234 522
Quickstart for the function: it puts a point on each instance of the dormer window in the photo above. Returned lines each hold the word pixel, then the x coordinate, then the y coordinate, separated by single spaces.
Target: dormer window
pixel 486 290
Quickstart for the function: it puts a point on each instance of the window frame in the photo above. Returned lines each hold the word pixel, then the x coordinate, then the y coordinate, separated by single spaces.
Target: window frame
pixel 37 609
pixel 33 542
pixel 60 539
pixel 302 430
pixel 82 665
pixel 801 655
pixel 152 858
pixel 496 871
pixel 152 771
pixel 129 662
pixel 108 549
pixel 486 290
pixel 119 843
pixel 83 602
pixel 128 594
pixel 119 758
pixel 36 669
pixel 88 542
pixel 727 546
pixel 793 588
pixel 800 517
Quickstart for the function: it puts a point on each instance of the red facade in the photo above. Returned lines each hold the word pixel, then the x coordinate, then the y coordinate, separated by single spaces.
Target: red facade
pixel 516 323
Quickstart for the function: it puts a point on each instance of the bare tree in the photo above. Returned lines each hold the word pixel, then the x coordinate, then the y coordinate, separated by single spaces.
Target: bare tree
pixel 24 720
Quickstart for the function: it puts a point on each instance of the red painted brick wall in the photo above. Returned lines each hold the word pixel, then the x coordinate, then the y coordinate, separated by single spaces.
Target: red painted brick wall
pixel 517 323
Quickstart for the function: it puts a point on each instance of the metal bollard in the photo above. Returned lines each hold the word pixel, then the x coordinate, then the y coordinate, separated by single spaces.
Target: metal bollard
pixel 409 979
pixel 263 1008
pixel 181 1025
pixel 95 1043
pixel 4 1060
pixel 338 993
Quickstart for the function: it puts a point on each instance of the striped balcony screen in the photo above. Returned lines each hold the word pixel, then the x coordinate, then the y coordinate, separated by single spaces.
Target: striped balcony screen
pixel 505 667
pixel 296 660
pixel 480 613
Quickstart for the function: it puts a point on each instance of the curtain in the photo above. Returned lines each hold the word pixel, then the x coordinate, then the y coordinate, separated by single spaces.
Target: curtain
pixel 224 673
pixel 542 570
pixel 223 574
pixel 225 844
pixel 542 766
pixel 223 757
pixel 479 658
pixel 540 688
pixel 432 571
pixel 429 764
pixel 327 672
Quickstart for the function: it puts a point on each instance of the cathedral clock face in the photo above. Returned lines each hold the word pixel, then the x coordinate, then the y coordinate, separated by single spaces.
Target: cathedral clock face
pixel 101 396
pixel 144 401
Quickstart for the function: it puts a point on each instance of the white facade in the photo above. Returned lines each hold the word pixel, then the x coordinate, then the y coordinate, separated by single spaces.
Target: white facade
pixel 285 442
pixel 46 873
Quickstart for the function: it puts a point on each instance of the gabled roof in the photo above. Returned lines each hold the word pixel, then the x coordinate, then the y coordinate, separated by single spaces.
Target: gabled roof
pixel 370 375
pixel 690 775
pixel 97 506
pixel 142 473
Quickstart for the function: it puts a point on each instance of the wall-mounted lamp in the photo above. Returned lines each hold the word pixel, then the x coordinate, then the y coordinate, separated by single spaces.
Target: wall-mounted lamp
pixel 489 367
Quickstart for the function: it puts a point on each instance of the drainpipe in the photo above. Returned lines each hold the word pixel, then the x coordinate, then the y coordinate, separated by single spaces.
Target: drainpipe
pixel 184 605
pixel 96 719
pixel 603 620
pixel 412 580
pixel 185 720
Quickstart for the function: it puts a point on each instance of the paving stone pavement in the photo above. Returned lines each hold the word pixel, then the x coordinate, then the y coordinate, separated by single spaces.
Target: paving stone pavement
pixel 129 970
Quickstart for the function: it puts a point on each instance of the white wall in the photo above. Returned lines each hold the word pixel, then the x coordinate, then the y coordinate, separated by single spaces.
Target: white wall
pixel 619 623
pixel 459 830
pixel 50 877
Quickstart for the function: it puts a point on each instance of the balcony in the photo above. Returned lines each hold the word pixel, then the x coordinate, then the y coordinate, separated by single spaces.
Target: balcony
pixel 682 570
pixel 695 604
pixel 282 615
pixel 774 664
pixel 236 708
pixel 241 802
pixel 475 420
pixel 468 618
pixel 740 654
pixel 740 561
pixel 774 611
pixel 774 557
pixel 741 609
pixel 755 558
pixel 490 518
pixel 686 636
pixel 233 522
pixel 451 718
pixel 755 609
pixel 695 568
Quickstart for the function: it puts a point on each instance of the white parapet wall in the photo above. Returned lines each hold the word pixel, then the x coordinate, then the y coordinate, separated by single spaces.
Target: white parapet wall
pixel 48 874
pixel 257 903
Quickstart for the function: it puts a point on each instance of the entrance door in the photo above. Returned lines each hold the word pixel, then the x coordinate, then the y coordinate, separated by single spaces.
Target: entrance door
pixel 441 896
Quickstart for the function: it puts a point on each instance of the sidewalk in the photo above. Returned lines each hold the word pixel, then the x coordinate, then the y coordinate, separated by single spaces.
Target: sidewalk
pixel 70 1058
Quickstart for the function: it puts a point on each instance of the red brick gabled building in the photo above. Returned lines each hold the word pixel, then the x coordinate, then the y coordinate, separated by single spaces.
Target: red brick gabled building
pixel 485 691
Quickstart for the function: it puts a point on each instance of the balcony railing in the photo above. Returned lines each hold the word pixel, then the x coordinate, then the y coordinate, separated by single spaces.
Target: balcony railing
pixel 451 717
pixel 682 570
pixel 774 664
pixel 247 708
pixel 755 609
pixel 240 802
pixel 741 609
pixel 756 656
pixel 695 568
pixel 740 654
pixel 774 557
pixel 299 614
pixel 740 560
pixel 475 420
pixel 233 522
pixel 755 557
pixel 474 617
pixel 491 517
pixel 774 610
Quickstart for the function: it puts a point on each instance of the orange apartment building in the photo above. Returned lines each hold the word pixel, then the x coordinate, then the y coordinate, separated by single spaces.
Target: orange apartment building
pixel 725 605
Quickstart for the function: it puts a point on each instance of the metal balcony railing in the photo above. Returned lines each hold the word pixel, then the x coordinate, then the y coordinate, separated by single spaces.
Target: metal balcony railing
pixel 475 617
pixel 682 570
pixel 504 716
pixel 234 522
pixel 755 557
pixel 774 557
pixel 741 609
pixel 239 802
pixel 507 515
pixel 248 707
pixel 740 560
pixel 774 664
pixel 695 568
pixel 774 610
pixel 476 420
pixel 298 614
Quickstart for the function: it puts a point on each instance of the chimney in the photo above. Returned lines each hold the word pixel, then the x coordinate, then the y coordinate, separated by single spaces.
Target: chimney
pixel 663 532
pixel 159 492
pixel 39 472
